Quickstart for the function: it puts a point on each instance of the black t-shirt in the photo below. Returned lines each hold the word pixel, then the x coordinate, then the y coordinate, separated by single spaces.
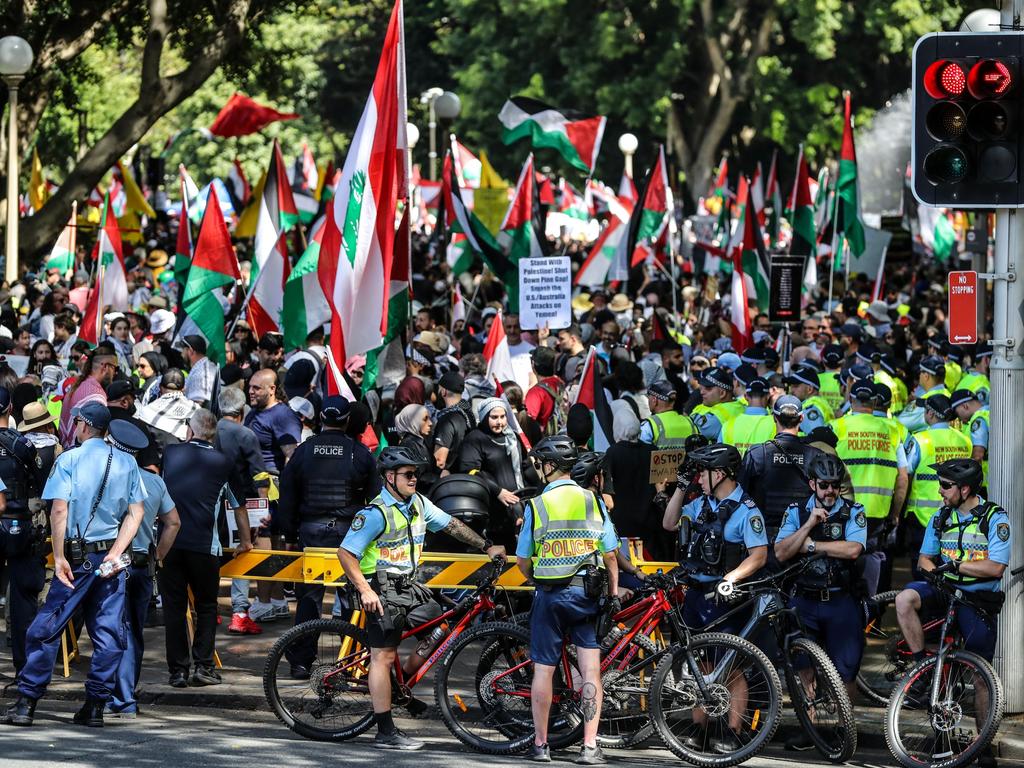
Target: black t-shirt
pixel 196 475
pixel 452 425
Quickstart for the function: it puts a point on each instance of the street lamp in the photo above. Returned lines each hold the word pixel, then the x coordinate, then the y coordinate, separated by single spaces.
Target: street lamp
pixel 15 61
pixel 412 135
pixel 627 146
pixel 443 104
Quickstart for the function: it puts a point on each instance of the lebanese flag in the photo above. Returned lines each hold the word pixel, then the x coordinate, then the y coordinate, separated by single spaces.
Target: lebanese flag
pixel 496 353
pixel 576 137
pixel 305 306
pixel 594 270
pixel 242 116
pixel 365 202
pixel 592 395
pixel 517 234
pixel 111 288
pixel 62 255
pixel 270 264
pixel 238 186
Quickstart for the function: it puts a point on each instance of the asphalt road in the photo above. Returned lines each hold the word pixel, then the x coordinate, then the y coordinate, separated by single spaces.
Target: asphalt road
pixel 194 737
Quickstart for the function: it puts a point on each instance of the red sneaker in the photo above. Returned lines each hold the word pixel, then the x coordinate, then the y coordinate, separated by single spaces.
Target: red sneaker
pixel 241 624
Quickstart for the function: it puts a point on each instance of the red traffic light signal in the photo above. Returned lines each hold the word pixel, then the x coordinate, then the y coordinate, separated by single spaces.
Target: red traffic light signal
pixel 990 79
pixel 945 79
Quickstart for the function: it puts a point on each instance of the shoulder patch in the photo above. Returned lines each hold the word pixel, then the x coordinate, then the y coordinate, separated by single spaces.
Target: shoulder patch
pixel 358 522
pixel 976 425
pixel 700 419
pixel 861 519
pixel 1003 531
pixel 757 524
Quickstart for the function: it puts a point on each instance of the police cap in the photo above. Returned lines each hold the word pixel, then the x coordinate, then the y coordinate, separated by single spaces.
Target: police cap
pixel 716 377
pixel 833 355
pixel 335 410
pixel 937 404
pixel 126 437
pixel 758 387
pixel 883 394
pixel 745 374
pixel 662 390
pixel 94 414
pixel 863 390
pixel 934 365
pixel 787 405
pixel 803 374
pixel 961 396
pixel 118 389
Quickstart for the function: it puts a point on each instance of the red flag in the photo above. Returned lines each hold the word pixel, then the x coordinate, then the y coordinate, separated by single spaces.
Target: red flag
pixel 242 116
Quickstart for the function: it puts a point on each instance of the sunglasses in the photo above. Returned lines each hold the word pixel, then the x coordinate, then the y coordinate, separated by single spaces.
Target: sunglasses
pixel 699 366
pixel 946 485
pixel 411 477
pixel 830 483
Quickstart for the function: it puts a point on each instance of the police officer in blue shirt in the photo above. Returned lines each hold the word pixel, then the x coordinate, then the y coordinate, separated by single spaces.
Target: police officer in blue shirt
pixel 158 504
pixel 97 496
pixel 824 593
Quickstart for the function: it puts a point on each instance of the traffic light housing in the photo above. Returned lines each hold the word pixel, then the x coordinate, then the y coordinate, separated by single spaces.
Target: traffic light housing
pixel 966 149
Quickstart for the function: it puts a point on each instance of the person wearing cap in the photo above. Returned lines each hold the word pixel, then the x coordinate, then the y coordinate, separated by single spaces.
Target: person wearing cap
pixel 90 387
pixel 755 425
pixel 146 553
pixel 97 506
pixel 974 422
pixel 774 473
pixel 202 371
pixel 718 405
pixel 884 408
pixel 936 443
pixel 954 356
pixel 329 478
pixel 885 373
pixel 931 380
pixel 665 427
pixel 828 381
pixel 742 376
pixel 975 378
pixel 847 377
pixel 803 383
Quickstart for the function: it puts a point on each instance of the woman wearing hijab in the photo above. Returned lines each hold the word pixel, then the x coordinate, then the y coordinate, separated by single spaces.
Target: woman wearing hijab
pixel 412 425
pixel 493 452
pixel 152 366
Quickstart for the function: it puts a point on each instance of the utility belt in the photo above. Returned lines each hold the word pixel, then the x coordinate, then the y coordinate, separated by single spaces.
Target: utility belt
pixel 22 516
pixel 593 581
pixel 76 549
pixel 821 595
pixel 399 594
pixel 140 560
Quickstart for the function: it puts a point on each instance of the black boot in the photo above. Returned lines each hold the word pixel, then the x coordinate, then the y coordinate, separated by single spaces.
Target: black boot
pixel 20 712
pixel 91 714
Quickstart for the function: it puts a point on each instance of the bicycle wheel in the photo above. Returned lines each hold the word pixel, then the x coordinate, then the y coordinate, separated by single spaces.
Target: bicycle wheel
pixel 737 716
pixel 820 700
pixel 886 658
pixel 334 703
pixel 626 710
pixel 961 724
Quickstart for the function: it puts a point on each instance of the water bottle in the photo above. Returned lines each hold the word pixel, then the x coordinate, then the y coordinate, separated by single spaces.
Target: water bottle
pixel 431 641
pixel 15 527
pixel 108 568
pixel 613 637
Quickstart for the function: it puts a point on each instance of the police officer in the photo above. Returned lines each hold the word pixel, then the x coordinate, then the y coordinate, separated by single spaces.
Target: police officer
pixel 718 406
pixel 974 421
pixel 824 597
pixel 815 410
pixel 97 497
pixel 330 477
pixel 755 425
pixel 21 542
pixel 380 555
pixel 828 381
pixel 885 373
pixel 665 427
pixel 968 540
pixel 930 381
pixel 723 540
pixel 975 378
pixel 934 444
pixel 775 473
pixel 567 540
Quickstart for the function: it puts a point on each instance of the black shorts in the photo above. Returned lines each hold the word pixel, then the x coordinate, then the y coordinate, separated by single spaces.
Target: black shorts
pixel 408 608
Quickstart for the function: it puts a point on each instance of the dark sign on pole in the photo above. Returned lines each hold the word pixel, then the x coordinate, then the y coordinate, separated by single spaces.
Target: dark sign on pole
pixel 786 283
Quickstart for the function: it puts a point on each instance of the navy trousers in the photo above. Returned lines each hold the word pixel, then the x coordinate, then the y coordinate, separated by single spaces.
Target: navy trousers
pixel 139 593
pixel 26 574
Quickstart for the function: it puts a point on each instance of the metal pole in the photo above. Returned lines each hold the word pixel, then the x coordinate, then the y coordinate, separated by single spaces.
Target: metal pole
pixel 629 164
pixel 11 248
pixel 433 141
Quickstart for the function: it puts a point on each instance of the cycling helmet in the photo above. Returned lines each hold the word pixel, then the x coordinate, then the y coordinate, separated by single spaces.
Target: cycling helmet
pixel 716 456
pixel 825 466
pixel 559 450
pixel 395 456
pixel 695 441
pixel 960 471
pixel 586 468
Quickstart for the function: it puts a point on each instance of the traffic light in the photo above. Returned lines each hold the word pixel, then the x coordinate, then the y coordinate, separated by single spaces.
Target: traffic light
pixel 967 133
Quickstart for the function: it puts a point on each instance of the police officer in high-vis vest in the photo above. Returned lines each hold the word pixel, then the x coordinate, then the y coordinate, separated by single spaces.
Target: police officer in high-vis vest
pixel 967 539
pixel 825 591
pixel 828 381
pixel 935 444
pixel 381 555
pixel 97 496
pixel 718 406
pixel 803 383
pixel 974 422
pixel 931 380
pixel 722 538
pixel 566 542
pixel 665 427
pixel 755 425
pixel 975 378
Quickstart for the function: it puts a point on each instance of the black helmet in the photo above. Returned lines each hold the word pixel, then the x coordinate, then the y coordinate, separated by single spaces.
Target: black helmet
pixel 695 441
pixel 559 450
pixel 825 466
pixel 395 456
pixel 960 471
pixel 716 456
pixel 586 468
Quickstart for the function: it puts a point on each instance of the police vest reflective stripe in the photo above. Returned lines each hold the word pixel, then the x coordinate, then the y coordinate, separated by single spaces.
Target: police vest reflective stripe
pixel 982 414
pixel 748 429
pixel 819 402
pixel 397 549
pixel 726 412
pixel 829 389
pixel 937 445
pixel 867 445
pixel 965 540
pixel 567 530
pixel 670 429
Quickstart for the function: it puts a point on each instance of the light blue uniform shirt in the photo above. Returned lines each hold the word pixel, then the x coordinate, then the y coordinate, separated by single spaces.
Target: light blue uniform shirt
pixel 360 536
pixel 708 424
pixel 745 525
pixel 912 416
pixel 812 419
pixel 158 503
pixel 997 550
pixel 524 546
pixel 914 450
pixel 979 431
pixel 856 524
pixel 76 477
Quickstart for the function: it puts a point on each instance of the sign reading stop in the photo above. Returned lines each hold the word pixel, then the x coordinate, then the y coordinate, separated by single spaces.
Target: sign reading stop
pixel 963 307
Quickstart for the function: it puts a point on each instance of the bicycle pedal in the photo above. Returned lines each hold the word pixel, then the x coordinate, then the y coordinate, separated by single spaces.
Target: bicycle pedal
pixel 416 707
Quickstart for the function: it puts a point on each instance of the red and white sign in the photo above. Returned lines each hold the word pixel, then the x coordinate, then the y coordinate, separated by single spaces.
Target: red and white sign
pixel 963 307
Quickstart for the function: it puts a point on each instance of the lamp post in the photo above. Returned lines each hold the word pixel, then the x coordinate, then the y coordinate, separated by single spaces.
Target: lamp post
pixel 15 61
pixel 441 104
pixel 412 135
pixel 627 146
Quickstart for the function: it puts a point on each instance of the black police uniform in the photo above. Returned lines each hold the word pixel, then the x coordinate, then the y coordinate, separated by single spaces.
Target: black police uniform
pixel 22 544
pixel 775 475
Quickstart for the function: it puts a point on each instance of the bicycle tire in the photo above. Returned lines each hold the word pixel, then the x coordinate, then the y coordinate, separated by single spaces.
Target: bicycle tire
pixel 839 742
pixel 290 706
pixel 880 641
pixel 765 722
pixel 614 697
pixel 910 692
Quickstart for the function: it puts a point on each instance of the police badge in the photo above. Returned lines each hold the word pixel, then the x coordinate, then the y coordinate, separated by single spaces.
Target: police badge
pixel 1003 531
pixel 861 519
pixel 756 525
pixel 358 522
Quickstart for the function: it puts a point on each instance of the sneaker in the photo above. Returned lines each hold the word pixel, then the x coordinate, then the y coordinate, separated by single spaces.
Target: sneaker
pixel 280 610
pixel 262 612
pixel 299 672
pixel 539 753
pixel 800 743
pixel 241 624
pixel 205 676
pixel 121 714
pixel 726 743
pixel 289 595
pixel 590 756
pixel 697 741
pixel 178 680
pixel 396 740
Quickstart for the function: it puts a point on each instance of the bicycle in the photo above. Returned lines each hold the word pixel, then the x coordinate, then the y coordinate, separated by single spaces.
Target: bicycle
pixel 334 703
pixel 929 717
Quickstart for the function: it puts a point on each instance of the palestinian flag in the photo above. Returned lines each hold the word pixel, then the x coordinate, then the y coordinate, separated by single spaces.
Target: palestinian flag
pixel 270 264
pixel 304 181
pixel 802 212
pixel 654 213
pixel 773 195
pixel 305 307
pixel 742 333
pixel 659 330
pixel 755 259
pixel 62 255
pixel 720 186
pixel 214 266
pixel 592 395
pixel 365 207
pixel 183 245
pixel 518 236
pixel 111 287
pixel 594 270
pixel 757 195
pixel 627 190
pixel 576 137
pixel 848 220
pixel 571 203
pixel 238 186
